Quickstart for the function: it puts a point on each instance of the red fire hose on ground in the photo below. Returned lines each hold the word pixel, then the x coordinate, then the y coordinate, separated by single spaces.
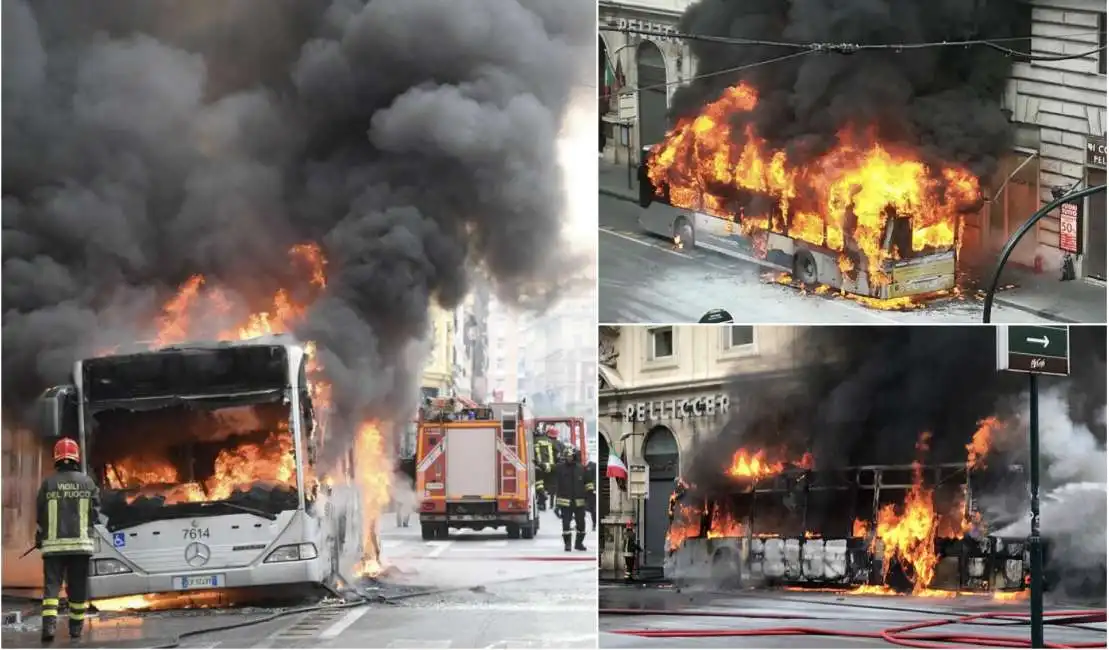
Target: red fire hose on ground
pixel 895 635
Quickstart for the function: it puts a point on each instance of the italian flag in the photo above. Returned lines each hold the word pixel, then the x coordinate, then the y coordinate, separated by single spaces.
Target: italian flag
pixel 615 468
pixel 614 79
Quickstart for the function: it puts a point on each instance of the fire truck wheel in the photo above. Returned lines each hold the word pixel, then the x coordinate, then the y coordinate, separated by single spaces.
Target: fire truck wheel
pixel 683 233
pixel 804 268
pixel 442 531
pixel 427 531
pixel 528 531
pixel 513 531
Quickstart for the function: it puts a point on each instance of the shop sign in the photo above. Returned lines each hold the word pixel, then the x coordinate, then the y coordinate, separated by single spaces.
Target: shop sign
pixel 704 406
pixel 657 31
pixel 1095 152
pixel 1070 227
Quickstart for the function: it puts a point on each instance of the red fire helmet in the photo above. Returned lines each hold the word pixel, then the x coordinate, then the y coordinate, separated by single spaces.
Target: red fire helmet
pixel 67 449
pixel 552 432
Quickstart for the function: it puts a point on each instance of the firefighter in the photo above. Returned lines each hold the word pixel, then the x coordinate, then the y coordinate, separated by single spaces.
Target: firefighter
pixel 631 551
pixel 544 464
pixel 591 496
pixel 557 451
pixel 68 506
pixel 572 488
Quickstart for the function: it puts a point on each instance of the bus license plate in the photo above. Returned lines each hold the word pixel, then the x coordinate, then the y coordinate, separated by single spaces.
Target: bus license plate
pixel 182 583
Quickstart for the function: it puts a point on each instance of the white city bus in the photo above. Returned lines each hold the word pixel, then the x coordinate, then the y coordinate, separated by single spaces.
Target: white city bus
pixel 205 457
pixel 904 272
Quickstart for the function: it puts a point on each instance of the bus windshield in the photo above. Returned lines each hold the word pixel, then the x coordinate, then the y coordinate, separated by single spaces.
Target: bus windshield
pixel 183 460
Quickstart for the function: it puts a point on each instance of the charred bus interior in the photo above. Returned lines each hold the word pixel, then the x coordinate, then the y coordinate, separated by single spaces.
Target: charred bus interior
pixel 191 431
pixel 834 527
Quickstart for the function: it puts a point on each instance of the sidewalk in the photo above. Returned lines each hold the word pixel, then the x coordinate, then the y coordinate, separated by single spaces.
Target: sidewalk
pixel 1042 294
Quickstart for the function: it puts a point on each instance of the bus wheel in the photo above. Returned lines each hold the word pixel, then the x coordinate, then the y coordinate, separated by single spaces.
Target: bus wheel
pixel 804 268
pixel 725 568
pixel 683 233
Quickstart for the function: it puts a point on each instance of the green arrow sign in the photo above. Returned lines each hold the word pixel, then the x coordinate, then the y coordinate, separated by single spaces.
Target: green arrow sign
pixel 1040 349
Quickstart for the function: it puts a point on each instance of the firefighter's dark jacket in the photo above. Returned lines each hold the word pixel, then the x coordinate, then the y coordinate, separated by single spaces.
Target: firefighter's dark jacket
pixel 68 507
pixel 574 486
pixel 590 475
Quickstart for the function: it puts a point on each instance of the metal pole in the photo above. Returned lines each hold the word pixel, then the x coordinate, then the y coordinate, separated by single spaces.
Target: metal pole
pixel 1019 234
pixel 1034 548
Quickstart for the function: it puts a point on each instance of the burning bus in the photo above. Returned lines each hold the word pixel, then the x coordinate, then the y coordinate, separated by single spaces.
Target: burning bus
pixel 863 218
pixel 205 454
pixel 911 528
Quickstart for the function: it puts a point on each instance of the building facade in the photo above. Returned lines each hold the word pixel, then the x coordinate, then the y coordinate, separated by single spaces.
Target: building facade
pixel 1057 108
pixel 661 391
pixel 504 352
pixel 639 72
pixel 438 371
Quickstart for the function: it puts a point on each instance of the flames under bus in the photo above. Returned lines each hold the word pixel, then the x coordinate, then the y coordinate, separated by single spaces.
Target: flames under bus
pixel 205 458
pixel 725 229
pixel 806 528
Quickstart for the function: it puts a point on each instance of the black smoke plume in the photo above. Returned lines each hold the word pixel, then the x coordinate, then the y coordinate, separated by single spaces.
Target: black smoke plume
pixel 944 102
pixel 864 395
pixel 148 141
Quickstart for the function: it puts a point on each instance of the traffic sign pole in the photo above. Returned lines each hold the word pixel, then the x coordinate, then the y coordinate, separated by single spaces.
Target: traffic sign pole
pixel 1035 559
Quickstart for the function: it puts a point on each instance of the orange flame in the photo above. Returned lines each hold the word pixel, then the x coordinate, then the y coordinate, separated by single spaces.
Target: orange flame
pixel 980 445
pixel 841 201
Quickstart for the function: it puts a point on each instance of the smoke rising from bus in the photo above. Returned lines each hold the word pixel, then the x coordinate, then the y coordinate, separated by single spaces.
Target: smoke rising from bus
pixel 414 140
pixel 943 102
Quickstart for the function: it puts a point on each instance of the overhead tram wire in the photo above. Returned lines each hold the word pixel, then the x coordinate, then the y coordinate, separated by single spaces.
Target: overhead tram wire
pixel 715 73
pixel 850 48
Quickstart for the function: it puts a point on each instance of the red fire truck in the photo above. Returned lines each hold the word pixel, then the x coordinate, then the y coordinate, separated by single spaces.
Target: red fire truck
pixel 475 468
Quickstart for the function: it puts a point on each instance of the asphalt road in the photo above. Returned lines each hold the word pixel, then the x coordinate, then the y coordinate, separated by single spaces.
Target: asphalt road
pixel 644 279
pixel 824 611
pixel 498 593
pixel 491 592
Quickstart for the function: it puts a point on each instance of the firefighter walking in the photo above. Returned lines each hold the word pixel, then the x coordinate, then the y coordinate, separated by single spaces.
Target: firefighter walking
pixel 544 462
pixel 573 486
pixel 68 506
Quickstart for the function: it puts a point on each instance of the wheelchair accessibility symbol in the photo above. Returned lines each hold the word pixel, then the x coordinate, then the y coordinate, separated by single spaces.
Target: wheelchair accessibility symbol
pixel 119 540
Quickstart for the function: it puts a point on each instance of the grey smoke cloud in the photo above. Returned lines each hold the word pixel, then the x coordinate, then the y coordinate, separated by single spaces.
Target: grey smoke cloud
pixel 413 139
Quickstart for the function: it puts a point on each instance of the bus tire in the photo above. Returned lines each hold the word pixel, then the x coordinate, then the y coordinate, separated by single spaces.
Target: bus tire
pixel 683 232
pixel 427 531
pixel 804 268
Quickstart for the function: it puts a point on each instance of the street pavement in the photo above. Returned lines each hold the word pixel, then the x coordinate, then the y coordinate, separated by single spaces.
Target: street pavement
pixel 479 590
pixel 645 279
pixel 691 613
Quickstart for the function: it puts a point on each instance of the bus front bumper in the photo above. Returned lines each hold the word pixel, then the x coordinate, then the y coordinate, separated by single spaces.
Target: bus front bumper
pixel 254 575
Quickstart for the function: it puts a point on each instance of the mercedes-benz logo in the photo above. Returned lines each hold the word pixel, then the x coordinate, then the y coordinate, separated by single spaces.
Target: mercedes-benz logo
pixel 197 554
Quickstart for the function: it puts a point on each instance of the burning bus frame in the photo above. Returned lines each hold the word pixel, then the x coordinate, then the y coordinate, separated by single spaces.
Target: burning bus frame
pixel 817 529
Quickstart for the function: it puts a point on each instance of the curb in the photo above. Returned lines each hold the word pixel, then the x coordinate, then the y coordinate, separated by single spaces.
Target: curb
pixel 1042 313
pixel 622 195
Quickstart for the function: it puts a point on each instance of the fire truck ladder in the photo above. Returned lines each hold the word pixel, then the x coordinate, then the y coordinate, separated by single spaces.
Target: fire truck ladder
pixel 509 430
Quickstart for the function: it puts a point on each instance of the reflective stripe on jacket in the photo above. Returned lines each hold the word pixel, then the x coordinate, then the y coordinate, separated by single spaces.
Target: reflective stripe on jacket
pixel 68 506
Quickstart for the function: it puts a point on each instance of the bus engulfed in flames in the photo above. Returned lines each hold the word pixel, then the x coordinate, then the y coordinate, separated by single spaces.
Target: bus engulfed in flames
pixel 868 206
pixel 909 529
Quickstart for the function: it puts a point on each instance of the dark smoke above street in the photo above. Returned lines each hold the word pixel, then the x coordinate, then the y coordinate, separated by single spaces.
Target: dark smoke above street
pixel 943 102
pixel 414 140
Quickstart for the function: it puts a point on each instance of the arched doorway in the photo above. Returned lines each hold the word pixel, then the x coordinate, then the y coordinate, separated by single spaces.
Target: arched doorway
pixel 651 83
pixel 660 450
pixel 604 493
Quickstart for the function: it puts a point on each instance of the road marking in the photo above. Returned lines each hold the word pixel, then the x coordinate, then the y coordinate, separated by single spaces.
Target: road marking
pixel 438 548
pixel 645 243
pixel 342 624
pixel 419 643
